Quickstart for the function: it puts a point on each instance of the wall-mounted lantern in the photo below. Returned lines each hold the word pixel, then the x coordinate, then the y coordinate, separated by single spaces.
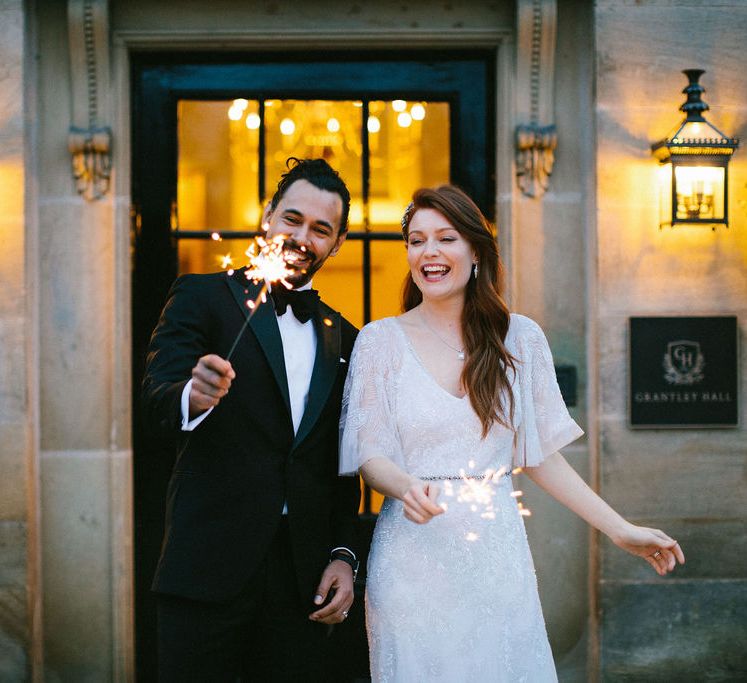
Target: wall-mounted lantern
pixel 694 161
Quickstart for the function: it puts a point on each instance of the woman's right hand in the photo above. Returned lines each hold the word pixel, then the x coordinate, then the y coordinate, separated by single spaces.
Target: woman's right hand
pixel 420 499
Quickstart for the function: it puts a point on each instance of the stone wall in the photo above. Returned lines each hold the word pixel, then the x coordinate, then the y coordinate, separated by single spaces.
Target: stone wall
pixel 84 384
pixel 16 376
pixel 690 483
pixel 549 274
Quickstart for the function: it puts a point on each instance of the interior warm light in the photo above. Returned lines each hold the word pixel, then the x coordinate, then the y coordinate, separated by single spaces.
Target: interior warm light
pixel 358 104
pixel 287 127
pixel 399 105
pixel 417 111
pixel 404 119
pixel 241 103
pixel 373 125
pixel 698 190
pixel 235 113
pixel 252 121
pixel 333 125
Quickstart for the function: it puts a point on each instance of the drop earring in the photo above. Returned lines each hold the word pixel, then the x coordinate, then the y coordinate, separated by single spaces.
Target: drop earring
pixel 474 269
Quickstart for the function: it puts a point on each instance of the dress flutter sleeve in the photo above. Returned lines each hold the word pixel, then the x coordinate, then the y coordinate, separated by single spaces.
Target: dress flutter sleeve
pixel 367 424
pixel 545 425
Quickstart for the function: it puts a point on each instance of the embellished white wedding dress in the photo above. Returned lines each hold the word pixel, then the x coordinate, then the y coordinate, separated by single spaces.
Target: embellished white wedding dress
pixel 454 599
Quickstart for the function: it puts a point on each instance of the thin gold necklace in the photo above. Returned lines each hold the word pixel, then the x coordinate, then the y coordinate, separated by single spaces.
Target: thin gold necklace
pixel 459 352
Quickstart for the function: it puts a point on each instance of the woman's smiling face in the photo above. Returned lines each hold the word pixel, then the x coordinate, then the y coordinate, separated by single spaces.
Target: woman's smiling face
pixel 440 259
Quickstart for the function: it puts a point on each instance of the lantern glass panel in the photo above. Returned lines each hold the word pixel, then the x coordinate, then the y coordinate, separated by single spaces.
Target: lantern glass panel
pixel 697 130
pixel 700 193
pixel 665 194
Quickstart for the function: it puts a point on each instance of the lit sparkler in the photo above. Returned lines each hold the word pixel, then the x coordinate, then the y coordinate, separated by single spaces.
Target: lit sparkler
pixel 478 492
pixel 269 263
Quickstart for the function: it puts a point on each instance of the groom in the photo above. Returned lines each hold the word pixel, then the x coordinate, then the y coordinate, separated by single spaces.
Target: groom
pixel 258 554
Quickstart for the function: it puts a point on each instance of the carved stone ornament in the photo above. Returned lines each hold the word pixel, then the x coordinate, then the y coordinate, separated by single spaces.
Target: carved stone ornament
pixel 89 141
pixel 535 136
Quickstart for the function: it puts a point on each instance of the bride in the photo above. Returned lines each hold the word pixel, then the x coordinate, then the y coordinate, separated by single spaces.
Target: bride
pixel 440 404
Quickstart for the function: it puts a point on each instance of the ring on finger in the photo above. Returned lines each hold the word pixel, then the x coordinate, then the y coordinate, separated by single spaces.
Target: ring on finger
pixel 656 555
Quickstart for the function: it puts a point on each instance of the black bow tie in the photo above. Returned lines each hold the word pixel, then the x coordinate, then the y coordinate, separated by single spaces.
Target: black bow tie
pixel 305 303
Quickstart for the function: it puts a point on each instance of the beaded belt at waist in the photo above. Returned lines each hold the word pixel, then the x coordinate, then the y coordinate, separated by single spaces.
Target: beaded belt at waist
pixel 454 477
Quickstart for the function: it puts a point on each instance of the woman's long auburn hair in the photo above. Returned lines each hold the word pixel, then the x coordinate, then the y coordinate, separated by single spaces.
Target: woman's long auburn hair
pixel 485 317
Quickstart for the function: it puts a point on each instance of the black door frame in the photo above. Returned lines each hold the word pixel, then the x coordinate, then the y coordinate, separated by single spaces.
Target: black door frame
pixel 463 78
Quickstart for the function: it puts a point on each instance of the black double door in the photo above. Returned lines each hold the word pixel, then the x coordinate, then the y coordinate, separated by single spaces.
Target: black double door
pixel 463 80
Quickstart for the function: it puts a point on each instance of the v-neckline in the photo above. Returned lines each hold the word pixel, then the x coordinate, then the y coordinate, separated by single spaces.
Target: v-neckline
pixel 418 360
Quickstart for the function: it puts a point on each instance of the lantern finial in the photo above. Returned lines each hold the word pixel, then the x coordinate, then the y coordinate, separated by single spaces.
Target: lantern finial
pixel 694 107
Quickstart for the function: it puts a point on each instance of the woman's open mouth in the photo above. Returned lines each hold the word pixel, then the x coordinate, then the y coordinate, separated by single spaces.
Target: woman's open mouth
pixel 433 272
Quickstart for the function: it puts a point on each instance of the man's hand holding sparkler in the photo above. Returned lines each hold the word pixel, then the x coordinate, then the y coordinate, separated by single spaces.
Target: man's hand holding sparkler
pixel 211 380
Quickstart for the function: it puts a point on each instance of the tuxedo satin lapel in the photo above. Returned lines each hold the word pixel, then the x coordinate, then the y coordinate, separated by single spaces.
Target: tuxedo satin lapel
pixel 264 325
pixel 326 364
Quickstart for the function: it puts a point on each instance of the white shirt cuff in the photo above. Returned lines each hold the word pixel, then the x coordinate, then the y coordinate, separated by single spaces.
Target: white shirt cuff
pixel 187 424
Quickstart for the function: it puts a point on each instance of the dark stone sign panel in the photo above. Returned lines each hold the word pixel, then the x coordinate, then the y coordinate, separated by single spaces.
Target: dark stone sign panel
pixel 683 372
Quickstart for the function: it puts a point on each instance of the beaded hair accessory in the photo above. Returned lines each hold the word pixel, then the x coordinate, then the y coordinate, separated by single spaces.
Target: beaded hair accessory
pixel 406 217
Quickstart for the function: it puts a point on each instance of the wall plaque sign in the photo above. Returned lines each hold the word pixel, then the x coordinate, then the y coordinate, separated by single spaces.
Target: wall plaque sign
pixel 683 372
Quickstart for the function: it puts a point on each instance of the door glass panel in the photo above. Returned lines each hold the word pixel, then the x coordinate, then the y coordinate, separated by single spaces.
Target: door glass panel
pixel 388 270
pixel 409 147
pixel 340 282
pixel 312 129
pixel 217 177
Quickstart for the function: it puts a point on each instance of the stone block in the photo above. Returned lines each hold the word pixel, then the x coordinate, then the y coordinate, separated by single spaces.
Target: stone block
pixel 677 631
pixel 11 69
pixel 643 46
pixel 12 370
pixel 612 356
pixel 13 554
pixel 654 474
pixel 550 236
pixel 574 109
pixel 76 325
pixel 13 503
pixel 76 565
pixel 14 667
pixel 14 626
pixel 325 15
pixel 714 549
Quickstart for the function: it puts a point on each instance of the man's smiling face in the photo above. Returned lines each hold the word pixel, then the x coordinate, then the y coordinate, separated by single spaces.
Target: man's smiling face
pixel 309 218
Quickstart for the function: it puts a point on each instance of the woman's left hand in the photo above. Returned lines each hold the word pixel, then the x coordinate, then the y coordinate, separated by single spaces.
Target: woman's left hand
pixel 659 550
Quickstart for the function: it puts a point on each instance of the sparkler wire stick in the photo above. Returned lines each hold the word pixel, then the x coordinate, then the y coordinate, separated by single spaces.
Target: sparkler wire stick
pixel 255 307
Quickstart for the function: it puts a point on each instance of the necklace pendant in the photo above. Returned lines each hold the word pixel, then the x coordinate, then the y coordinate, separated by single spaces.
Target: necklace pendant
pixel 460 355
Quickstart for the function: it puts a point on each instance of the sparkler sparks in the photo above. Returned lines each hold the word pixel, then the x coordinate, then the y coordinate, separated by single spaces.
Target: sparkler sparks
pixel 269 263
pixel 478 491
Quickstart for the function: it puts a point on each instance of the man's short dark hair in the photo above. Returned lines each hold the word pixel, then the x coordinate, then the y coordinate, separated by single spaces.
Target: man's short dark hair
pixel 320 174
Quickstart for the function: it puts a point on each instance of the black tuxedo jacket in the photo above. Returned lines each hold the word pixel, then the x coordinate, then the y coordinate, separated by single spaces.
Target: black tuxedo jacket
pixel 234 472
